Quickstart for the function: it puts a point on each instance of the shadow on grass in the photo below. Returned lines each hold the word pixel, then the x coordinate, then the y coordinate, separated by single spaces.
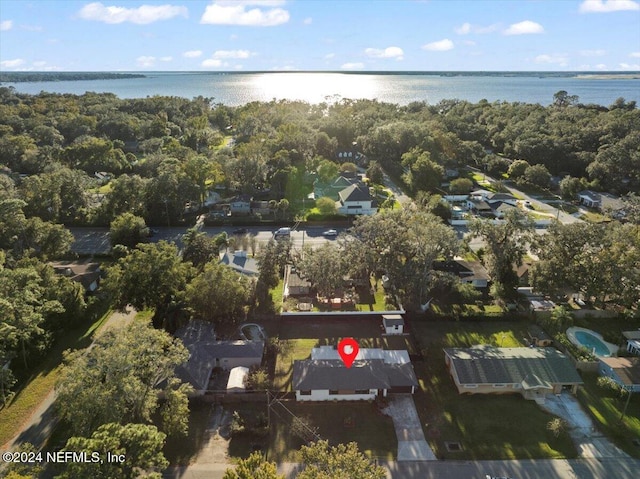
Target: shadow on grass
pixel 181 451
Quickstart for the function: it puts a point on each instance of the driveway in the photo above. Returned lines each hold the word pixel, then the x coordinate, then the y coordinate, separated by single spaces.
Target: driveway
pixel 412 445
pixel 589 442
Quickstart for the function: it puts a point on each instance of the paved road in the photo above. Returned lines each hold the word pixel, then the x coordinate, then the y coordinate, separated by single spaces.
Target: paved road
pixel 90 240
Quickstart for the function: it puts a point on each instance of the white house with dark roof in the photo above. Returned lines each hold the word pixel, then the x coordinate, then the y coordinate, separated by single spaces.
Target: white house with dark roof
pixel 625 372
pixel 531 372
pixel 356 200
pixel 633 341
pixel 375 372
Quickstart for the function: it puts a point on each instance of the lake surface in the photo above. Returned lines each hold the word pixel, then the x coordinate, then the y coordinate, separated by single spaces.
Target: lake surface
pixel 239 88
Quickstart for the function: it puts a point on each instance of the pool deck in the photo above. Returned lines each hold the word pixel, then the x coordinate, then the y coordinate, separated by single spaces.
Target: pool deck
pixel 613 349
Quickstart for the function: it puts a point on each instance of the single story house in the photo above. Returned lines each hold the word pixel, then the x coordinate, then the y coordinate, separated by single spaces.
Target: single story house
pixel 207 353
pixel 334 187
pixel 472 272
pixel 86 273
pixel 294 283
pixel 237 380
pixel 494 197
pixel 356 199
pixel 393 323
pixel 589 198
pixel 633 341
pixel 532 372
pixel 240 205
pixel 479 207
pixel 374 372
pixel 602 201
pixel 500 209
pixel 523 273
pixel 241 263
pixel 624 371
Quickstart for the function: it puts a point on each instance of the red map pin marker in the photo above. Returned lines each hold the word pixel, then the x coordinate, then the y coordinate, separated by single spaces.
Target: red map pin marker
pixel 348 349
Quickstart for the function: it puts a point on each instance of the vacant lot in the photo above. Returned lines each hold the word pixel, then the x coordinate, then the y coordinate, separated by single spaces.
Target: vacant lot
pixel 486 426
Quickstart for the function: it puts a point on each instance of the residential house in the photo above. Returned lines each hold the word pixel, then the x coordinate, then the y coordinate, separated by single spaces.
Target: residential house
pixel 88 274
pixel 393 323
pixel 241 263
pixel 479 207
pixel 207 353
pixel 294 283
pixel 523 273
pixel 625 372
pixel 532 372
pixel 375 372
pixel 633 341
pixel 500 208
pixel 493 197
pixel 333 188
pixel 356 200
pixel 240 205
pixel 471 272
pixel 602 201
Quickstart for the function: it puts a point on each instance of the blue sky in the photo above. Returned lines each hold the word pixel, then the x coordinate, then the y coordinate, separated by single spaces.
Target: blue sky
pixel 249 35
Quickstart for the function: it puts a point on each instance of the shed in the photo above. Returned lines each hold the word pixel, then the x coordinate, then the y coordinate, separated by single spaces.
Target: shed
pixel 624 371
pixel 633 341
pixel 393 323
pixel 237 379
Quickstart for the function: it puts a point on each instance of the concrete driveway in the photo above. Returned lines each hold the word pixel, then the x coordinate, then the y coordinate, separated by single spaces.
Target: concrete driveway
pixel 589 441
pixel 412 445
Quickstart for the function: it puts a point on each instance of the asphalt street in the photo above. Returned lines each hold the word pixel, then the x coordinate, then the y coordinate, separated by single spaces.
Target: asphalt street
pixel 90 240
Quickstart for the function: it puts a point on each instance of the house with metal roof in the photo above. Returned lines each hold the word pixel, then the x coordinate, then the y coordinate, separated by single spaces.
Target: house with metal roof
pixel 374 372
pixel 531 372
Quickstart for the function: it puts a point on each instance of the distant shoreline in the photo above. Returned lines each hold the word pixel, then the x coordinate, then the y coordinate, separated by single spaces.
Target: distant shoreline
pixel 24 77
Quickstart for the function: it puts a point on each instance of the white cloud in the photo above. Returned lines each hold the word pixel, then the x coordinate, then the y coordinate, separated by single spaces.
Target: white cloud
pixel 192 53
pixel 6 25
pixel 634 54
pixel 307 21
pixel 601 66
pixel 555 59
pixel 142 15
pixel 329 56
pixel 467 28
pixel 212 62
pixel 626 66
pixel 237 13
pixel 606 6
pixel 439 46
pixel 524 28
pixel 12 63
pixel 232 54
pixel 352 66
pixel 389 52
pixel 166 59
pixel 146 61
pixel 593 53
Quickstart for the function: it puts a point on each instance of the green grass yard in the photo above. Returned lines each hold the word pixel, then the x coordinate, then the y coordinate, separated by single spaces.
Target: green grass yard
pixel 487 426
pixel 606 410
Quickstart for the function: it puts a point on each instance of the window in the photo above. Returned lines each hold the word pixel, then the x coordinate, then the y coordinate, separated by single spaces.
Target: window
pixel 361 391
pixel 470 386
pixel 333 392
pixel 498 386
pixel 305 393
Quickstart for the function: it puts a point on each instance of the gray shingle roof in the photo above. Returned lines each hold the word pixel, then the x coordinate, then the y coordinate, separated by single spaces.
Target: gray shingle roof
pixel 490 365
pixel 355 193
pixel 322 374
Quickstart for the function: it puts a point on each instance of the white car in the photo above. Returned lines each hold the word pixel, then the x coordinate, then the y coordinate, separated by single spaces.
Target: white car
pixel 330 233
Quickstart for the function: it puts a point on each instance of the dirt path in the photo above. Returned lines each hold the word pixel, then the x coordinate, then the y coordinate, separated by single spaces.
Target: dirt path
pixel 40 424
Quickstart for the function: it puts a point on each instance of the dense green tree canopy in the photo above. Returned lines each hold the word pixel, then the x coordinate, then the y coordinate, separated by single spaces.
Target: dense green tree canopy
pixel 117 379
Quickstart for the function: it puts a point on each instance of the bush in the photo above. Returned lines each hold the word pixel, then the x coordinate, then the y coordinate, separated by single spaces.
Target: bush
pixel 580 353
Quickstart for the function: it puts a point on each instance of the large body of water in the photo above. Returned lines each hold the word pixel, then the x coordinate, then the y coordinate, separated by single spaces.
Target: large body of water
pixel 240 88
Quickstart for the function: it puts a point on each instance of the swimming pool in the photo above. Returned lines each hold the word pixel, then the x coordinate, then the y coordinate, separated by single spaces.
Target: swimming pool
pixel 591 341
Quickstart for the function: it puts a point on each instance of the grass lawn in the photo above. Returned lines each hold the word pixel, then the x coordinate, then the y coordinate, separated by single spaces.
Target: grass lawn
pixel 43 378
pixel 293 349
pixel 369 302
pixel 594 217
pixel 360 422
pixel 606 410
pixel 487 426
pixel 276 295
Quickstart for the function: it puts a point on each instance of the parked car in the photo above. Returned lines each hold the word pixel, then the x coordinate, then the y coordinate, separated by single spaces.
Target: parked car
pixel 330 233
pixel 282 232
pixel 240 231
